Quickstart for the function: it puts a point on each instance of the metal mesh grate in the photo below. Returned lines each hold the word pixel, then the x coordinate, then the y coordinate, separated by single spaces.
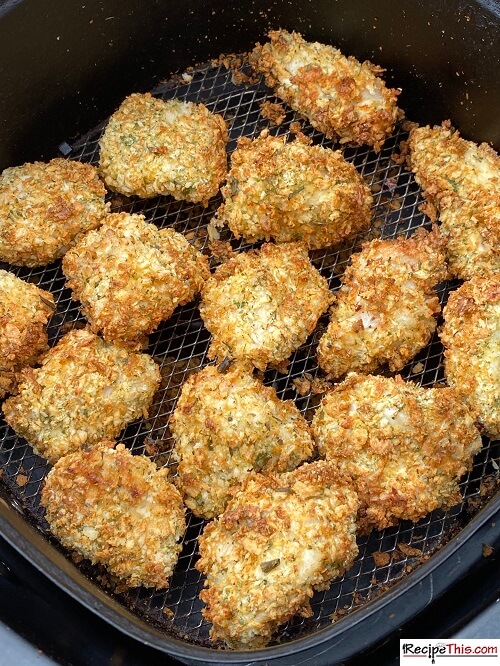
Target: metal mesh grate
pixel 180 346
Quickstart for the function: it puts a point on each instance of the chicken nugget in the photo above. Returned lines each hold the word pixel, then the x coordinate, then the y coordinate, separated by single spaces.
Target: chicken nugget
pixel 151 147
pixel 461 180
pixel 24 312
pixel 130 276
pixel 471 336
pixel 293 192
pixel 227 424
pixel 403 446
pixel 384 310
pixel 118 510
pixel 341 97
pixel 281 537
pixel 262 305
pixel 46 207
pixel 87 390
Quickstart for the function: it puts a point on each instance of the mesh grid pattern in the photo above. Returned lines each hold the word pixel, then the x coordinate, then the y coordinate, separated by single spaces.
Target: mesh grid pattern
pixel 180 346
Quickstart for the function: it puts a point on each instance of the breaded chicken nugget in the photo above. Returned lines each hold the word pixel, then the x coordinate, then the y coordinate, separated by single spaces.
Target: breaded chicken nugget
pixel 404 447
pixel 24 312
pixel 291 191
pixel 471 336
pixel 225 426
pixel 87 390
pixel 340 96
pixel 130 276
pixel 280 538
pixel 384 311
pixel 262 305
pixel 462 181
pixel 152 147
pixel 118 510
pixel 46 207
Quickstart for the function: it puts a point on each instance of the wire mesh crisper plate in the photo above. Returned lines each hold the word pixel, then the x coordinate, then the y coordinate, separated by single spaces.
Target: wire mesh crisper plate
pixel 180 346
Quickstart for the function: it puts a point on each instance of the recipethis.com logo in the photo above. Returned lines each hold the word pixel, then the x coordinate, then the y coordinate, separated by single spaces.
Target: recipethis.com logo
pixel 466 652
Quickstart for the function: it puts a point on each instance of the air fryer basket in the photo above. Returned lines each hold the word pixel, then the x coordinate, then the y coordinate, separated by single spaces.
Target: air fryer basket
pixel 173 618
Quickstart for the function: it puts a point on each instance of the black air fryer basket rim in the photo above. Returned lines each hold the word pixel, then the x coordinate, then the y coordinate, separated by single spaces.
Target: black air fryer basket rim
pixel 401 599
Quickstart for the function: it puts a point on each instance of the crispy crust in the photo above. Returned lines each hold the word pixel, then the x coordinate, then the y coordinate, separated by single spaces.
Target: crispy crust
pixel 118 510
pixel 461 180
pixel 225 426
pixel 262 305
pixel 46 207
pixel 404 447
pixel 152 147
pixel 87 390
pixel 471 336
pixel 24 312
pixel 341 97
pixel 280 538
pixel 291 191
pixel 130 276
pixel 384 311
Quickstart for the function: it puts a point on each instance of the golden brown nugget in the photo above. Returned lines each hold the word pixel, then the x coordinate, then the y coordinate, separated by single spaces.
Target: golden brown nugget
pixel 341 97
pixel 129 276
pixel 227 424
pixel 46 207
pixel 471 336
pixel 263 304
pixel 461 180
pixel 282 537
pixel 151 147
pixel 403 446
pixel 293 192
pixel 24 312
pixel 87 390
pixel 118 510
pixel 385 309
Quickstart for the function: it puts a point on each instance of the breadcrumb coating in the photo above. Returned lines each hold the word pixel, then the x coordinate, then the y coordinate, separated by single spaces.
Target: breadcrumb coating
pixel 46 207
pixel 24 312
pixel 118 510
pixel 129 276
pixel 461 180
pixel 280 538
pixel 403 446
pixel 151 147
pixel 293 192
pixel 227 424
pixel 263 304
pixel 471 336
pixel 87 390
pixel 341 97
pixel 384 311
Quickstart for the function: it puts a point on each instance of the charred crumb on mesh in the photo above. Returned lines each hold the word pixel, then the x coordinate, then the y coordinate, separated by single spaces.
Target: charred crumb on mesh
pixel 86 390
pixel 46 207
pixel 152 147
pixel 118 510
pixel 293 192
pixel 385 309
pixel 262 305
pixel 24 313
pixel 130 276
pixel 341 97
pixel 470 335
pixel 227 424
pixel 403 446
pixel 268 552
